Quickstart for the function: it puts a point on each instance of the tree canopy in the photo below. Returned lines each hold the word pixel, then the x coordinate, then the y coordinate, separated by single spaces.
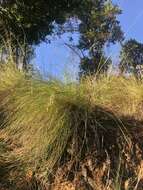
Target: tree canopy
pixel 99 27
pixel 25 23
pixel 31 21
pixel 132 56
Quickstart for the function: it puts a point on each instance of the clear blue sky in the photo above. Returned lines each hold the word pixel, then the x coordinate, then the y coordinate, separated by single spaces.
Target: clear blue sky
pixel 131 21
pixel 57 60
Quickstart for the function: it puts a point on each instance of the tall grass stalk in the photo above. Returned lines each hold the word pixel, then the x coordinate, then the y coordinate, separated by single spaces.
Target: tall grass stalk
pixel 42 116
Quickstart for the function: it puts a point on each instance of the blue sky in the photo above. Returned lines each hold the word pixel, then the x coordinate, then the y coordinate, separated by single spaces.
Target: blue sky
pixel 59 61
pixel 56 59
pixel 131 21
pixel 132 18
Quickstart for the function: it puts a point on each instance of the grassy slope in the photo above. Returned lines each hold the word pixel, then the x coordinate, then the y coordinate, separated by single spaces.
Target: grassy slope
pixel 49 125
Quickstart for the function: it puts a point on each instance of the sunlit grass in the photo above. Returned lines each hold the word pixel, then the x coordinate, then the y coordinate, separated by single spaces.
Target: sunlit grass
pixel 41 117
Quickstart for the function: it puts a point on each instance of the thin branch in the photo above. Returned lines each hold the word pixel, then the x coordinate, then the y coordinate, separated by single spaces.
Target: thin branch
pixel 74 49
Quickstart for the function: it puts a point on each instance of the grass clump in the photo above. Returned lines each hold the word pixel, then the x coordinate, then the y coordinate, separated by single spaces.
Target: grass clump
pixel 38 115
pixel 73 128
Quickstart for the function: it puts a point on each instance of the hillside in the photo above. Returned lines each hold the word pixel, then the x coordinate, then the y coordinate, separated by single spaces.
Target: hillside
pixel 57 136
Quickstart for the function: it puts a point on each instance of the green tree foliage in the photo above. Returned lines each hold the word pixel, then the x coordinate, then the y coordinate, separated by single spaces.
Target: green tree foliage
pixel 99 27
pixel 96 65
pixel 132 57
pixel 34 19
pixel 30 21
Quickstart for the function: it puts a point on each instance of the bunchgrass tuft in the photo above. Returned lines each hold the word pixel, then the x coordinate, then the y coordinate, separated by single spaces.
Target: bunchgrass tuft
pixel 42 117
